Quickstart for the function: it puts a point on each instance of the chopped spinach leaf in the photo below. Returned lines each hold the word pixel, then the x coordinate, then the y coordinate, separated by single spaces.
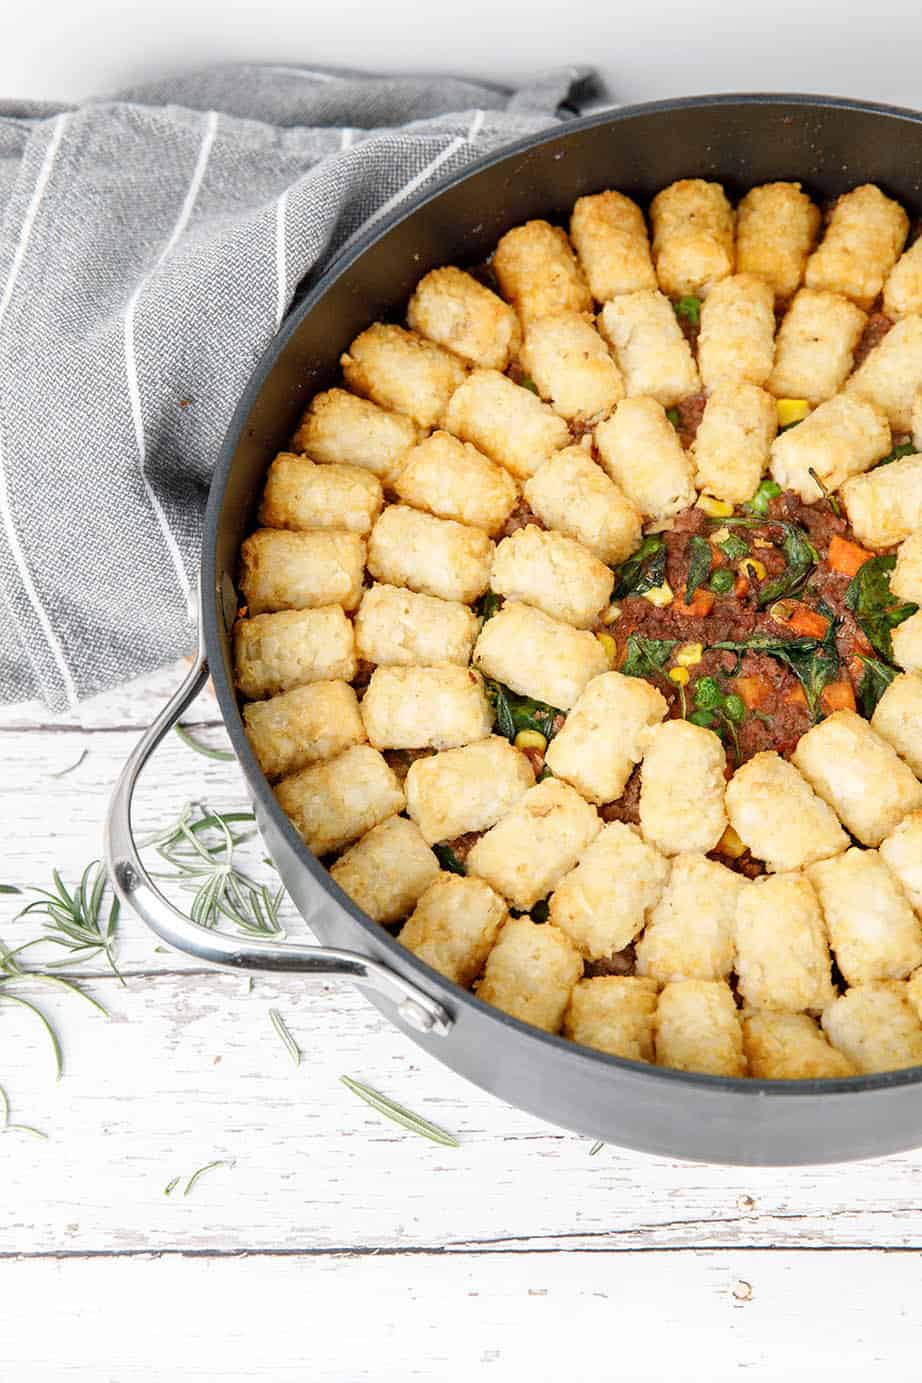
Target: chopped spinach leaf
pixel 674 416
pixel 690 309
pixel 488 605
pixel 540 912
pixel 515 713
pixel 644 570
pixel 904 449
pixel 801 557
pixel 875 680
pixel 645 656
pixel 448 859
pixel 814 662
pixel 734 547
pixel 699 565
pixel 529 384
pixel 876 608
pixel 722 581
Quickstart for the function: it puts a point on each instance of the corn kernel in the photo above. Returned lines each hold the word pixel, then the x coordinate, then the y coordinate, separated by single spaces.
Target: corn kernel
pixel 752 564
pixel 715 508
pixel 660 595
pixel 792 411
pixel 730 844
pixel 611 614
pixel 762 542
pixel 720 536
pixel 679 675
pixel 689 654
pixel 530 739
pixel 608 643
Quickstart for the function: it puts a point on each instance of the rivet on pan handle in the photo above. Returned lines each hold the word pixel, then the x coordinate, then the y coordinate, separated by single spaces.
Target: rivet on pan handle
pixel 136 888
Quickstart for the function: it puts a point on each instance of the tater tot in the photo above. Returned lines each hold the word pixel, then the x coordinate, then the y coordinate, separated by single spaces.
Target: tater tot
pixel 872 928
pixel 733 443
pixel 453 480
pixel 901 851
pixel 571 366
pixel 916 420
pixel 466 789
pixel 300 494
pixel 906 577
pixel 340 429
pixel 641 451
pixel 387 870
pixel 280 570
pixel 782 955
pixel 538 272
pixel 507 422
pixel 682 788
pixel 776 228
pixel 885 506
pixel 610 236
pixel 875 1027
pixel 538 656
pixel 603 736
pixel 903 288
pixel 454 310
pixel 433 556
pixel 402 371
pixel 691 929
pixel 891 374
pixel 331 804
pixel 778 816
pixel 530 973
pixel 425 708
pixel 815 346
pixel 614 1014
pixel 692 237
pixel 554 573
pixel 861 777
pixel 529 850
pixel 838 440
pixel 907 643
pixel 898 718
pixel 864 236
pixel 653 355
pixel 403 628
pixel 791 1046
pixel 737 337
pixel 454 927
pixel 571 493
pixel 697 1028
pixel 604 901
pixel 303 726
pixel 274 653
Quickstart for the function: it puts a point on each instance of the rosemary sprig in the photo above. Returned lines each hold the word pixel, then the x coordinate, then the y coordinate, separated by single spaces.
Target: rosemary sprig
pixel 281 1027
pixel 224 755
pixel 200 847
pixel 404 1117
pixel 171 1186
pixel 209 1166
pixel 596 1148
pixel 75 921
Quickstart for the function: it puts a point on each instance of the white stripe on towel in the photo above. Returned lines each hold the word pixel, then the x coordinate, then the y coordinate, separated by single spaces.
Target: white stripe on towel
pixel 9 526
pixel 281 265
pixel 416 181
pixel 134 392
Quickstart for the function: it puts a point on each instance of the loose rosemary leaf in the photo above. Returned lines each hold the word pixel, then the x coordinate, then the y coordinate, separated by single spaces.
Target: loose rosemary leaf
pixel 209 1166
pixel 414 1123
pixel 63 772
pixel 281 1027
pixel 224 755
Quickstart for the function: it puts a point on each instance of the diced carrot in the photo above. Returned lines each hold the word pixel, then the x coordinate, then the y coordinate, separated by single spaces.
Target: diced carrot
pixel 837 696
pixel 702 603
pixel 742 585
pixel 753 690
pixel 796 696
pixel 807 623
pixel 846 557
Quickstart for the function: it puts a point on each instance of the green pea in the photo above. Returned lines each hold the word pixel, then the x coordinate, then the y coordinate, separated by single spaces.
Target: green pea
pixel 722 581
pixel 701 718
pixel 735 708
pixel 767 491
pixel 708 695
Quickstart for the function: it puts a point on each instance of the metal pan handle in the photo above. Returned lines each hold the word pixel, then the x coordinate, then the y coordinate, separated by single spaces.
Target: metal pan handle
pixel 136 888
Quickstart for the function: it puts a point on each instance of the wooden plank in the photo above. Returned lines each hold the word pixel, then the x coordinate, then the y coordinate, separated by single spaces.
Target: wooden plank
pixel 189 1070
pixel 134 703
pixel 642 1317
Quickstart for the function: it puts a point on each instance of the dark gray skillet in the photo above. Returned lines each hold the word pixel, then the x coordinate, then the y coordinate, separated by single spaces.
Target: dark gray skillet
pixel 830 146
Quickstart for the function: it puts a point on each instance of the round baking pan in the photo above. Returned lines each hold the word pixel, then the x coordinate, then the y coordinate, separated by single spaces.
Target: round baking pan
pixel 830 146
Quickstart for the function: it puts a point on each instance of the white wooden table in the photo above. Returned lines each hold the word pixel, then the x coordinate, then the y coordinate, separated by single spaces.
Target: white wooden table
pixel 336 1246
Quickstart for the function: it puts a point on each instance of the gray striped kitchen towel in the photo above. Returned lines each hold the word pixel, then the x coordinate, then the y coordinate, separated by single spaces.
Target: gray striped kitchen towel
pixel 149 247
